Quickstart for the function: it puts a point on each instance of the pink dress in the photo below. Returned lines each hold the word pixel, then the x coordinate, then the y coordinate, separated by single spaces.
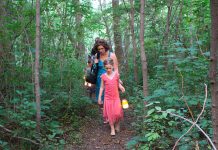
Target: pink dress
pixel 112 111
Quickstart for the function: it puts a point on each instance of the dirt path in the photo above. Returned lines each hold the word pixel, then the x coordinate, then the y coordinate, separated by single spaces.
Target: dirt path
pixel 96 135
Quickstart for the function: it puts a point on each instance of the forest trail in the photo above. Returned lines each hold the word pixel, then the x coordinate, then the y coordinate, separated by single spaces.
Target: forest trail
pixel 96 135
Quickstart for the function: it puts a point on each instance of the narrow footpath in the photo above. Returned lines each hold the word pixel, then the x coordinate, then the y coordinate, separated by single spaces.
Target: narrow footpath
pixel 96 135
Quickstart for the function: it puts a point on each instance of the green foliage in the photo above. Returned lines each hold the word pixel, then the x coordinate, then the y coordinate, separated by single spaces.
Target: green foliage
pixel 177 68
pixel 182 84
pixel 63 101
pixel 4 145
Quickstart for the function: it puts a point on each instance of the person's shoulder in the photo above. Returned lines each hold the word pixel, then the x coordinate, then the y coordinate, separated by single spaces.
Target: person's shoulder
pixel 112 54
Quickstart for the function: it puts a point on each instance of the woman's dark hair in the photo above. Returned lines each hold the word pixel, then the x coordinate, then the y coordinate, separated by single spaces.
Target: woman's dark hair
pixel 99 42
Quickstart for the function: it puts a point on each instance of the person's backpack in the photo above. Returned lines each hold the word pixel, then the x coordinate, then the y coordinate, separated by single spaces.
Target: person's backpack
pixel 91 74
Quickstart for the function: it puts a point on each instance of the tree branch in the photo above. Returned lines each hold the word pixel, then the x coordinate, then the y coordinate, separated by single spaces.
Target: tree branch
pixel 195 120
pixel 202 131
pixel 193 123
pixel 189 109
pixel 26 139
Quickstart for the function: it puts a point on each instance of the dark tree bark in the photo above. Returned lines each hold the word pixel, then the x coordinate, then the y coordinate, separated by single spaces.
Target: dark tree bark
pixel 6 56
pixel 179 20
pixel 142 48
pixel 106 24
pixel 213 68
pixel 167 31
pixel 125 51
pixel 80 47
pixel 37 86
pixel 2 16
pixel 132 13
pixel 2 40
pixel 117 34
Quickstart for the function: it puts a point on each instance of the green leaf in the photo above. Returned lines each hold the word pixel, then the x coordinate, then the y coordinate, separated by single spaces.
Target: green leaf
pixel 178 43
pixel 158 108
pixel 184 147
pixel 150 104
pixel 176 134
pixel 150 111
pixel 62 142
pixel 170 110
pixel 152 136
pixel 199 42
pixel 164 114
pixel 133 142
pixel 159 92
pixel 51 136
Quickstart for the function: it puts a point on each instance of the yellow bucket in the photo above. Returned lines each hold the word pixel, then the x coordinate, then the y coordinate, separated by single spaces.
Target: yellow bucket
pixel 125 104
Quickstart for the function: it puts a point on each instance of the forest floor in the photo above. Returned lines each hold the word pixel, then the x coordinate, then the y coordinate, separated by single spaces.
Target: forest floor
pixel 96 134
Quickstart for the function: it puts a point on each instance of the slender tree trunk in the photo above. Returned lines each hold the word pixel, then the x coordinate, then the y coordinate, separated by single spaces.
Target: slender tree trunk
pixel 169 13
pixel 4 35
pixel 7 71
pixel 106 25
pixel 80 47
pixel 2 17
pixel 133 42
pixel 167 31
pixel 2 86
pixel 179 20
pixel 142 48
pixel 213 68
pixel 2 40
pixel 117 34
pixel 37 87
pixel 126 48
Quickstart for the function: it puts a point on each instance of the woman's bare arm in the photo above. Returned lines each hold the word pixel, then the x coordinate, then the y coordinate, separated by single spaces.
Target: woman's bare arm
pixel 100 92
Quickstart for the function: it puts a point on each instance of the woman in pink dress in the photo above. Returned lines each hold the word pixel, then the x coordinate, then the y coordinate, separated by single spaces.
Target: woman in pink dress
pixel 112 106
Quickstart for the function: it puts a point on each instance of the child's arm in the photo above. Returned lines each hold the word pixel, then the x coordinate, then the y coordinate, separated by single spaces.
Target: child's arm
pixel 121 88
pixel 100 92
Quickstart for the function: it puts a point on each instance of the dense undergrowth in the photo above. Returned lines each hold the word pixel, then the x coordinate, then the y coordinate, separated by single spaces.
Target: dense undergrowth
pixel 64 104
pixel 179 89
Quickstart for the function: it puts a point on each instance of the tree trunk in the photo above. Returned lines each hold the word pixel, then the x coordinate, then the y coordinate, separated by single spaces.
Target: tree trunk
pixel 106 25
pixel 6 56
pixel 213 68
pixel 126 49
pixel 2 86
pixel 133 42
pixel 178 21
pixel 80 47
pixel 37 87
pixel 143 56
pixel 4 35
pixel 2 18
pixel 167 31
pixel 117 34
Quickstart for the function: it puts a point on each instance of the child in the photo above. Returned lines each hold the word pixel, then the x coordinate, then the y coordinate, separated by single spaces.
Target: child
pixel 112 106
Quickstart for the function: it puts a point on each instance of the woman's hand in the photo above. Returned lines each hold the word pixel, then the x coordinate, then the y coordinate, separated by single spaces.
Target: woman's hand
pixel 99 102
pixel 96 61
